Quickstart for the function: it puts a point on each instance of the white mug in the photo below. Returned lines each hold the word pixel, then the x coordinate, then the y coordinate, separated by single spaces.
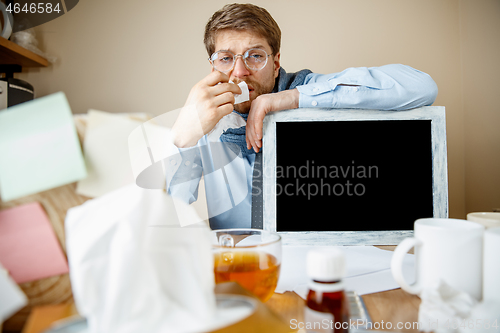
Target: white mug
pixel 491 271
pixel 489 220
pixel 445 249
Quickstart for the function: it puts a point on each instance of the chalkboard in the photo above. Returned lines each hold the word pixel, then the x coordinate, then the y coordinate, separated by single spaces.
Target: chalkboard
pixel 353 176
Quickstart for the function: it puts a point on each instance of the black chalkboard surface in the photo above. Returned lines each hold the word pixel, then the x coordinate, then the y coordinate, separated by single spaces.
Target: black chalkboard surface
pixel 368 175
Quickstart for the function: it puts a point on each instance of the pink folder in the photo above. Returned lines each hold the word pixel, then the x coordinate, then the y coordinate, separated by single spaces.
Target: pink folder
pixel 29 248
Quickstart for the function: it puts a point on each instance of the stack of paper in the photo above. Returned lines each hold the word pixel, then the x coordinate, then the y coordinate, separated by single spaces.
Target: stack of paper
pixel 106 153
pixel 368 269
pixel 39 147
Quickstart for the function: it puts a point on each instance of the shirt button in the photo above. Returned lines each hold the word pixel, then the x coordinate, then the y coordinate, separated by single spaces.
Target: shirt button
pixel 173 162
pixel 314 103
pixel 187 163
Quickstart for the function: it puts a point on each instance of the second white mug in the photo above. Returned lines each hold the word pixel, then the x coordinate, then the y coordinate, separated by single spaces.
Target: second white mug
pixel 448 250
pixel 489 220
pixel 491 271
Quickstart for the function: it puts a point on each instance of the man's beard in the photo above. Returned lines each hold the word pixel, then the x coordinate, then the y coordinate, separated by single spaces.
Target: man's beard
pixel 258 89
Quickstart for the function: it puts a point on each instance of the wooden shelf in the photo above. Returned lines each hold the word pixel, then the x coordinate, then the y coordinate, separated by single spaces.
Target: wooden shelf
pixel 13 54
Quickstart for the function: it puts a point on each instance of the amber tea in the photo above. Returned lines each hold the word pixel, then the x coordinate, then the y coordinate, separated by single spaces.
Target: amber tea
pixel 257 272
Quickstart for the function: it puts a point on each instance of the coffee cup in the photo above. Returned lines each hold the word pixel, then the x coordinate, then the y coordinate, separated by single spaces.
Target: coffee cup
pixel 491 270
pixel 448 250
pixel 489 220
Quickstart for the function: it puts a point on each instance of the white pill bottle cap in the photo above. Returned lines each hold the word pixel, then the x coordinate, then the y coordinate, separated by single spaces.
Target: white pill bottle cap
pixel 326 264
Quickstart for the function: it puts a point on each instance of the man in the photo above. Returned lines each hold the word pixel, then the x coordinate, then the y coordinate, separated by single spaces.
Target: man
pixel 243 43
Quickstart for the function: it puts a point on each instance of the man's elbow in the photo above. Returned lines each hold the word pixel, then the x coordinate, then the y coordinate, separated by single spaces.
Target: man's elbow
pixel 422 92
pixel 416 88
pixel 429 90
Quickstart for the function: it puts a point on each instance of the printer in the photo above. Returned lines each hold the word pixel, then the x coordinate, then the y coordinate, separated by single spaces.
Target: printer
pixel 14 91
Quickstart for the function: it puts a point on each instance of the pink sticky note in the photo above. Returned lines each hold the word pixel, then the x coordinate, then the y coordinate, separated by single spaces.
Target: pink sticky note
pixel 29 248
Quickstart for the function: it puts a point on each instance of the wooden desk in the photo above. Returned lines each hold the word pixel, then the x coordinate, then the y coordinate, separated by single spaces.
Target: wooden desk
pixel 390 306
pixel 394 306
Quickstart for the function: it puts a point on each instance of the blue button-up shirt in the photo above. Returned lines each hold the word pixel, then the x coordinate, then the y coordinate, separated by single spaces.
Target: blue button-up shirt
pixel 228 178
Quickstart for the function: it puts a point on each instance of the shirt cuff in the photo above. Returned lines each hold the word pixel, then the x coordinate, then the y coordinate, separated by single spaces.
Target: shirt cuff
pixel 316 95
pixel 184 166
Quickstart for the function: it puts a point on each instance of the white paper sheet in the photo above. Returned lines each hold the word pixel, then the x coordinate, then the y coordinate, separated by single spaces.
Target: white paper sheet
pixel 12 298
pixel 382 280
pixel 368 269
pixel 106 153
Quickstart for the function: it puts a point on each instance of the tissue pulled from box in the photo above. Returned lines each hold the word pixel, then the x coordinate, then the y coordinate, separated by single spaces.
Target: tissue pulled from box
pixel 134 269
pixel 232 120
pixel 443 303
pixel 245 94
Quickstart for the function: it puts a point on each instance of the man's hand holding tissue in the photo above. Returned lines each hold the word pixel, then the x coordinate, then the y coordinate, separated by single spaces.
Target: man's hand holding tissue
pixel 284 100
pixel 209 100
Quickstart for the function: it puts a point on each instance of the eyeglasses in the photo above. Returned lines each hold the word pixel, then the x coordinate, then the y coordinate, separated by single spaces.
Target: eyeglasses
pixel 254 59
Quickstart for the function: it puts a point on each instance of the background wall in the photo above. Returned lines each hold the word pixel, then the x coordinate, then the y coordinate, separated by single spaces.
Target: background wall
pixel 480 50
pixel 144 56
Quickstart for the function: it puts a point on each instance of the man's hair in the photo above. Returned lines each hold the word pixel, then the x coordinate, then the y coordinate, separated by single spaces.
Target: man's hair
pixel 243 17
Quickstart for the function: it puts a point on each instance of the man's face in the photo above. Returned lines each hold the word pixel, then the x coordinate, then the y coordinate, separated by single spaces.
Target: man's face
pixel 259 82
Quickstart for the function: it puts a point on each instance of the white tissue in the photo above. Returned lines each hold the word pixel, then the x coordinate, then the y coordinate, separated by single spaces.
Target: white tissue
pixel 134 269
pixel 245 94
pixel 445 309
pixel 488 313
pixel 232 120
pixel 443 304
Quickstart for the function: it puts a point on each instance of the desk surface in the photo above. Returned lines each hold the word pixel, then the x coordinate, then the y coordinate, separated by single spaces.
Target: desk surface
pixel 391 306
pixel 394 306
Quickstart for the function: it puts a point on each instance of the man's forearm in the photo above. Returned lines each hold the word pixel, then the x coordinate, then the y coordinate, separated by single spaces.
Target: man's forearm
pixel 390 87
pixel 262 105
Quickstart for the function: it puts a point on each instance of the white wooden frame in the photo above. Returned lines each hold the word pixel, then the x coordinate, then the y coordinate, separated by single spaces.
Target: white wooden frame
pixel 439 171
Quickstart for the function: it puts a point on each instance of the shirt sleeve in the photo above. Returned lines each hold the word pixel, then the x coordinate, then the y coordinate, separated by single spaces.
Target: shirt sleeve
pixel 390 87
pixel 183 172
